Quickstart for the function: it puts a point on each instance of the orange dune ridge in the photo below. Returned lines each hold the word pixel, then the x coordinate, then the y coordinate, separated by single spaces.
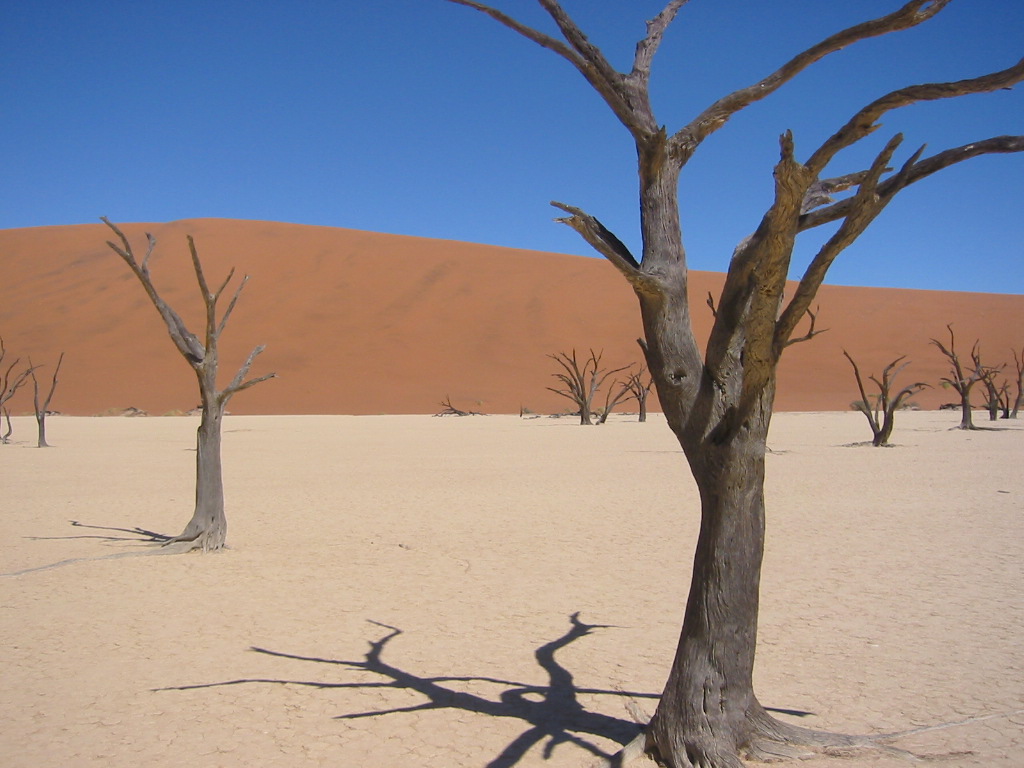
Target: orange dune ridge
pixel 365 323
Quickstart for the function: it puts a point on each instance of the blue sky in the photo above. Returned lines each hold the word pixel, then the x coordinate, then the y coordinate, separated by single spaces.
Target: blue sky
pixel 421 117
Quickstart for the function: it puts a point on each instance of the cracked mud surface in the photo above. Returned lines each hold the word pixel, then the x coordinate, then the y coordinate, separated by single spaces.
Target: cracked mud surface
pixel 491 591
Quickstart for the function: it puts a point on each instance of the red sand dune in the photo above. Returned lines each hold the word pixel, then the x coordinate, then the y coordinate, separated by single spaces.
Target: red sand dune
pixel 361 323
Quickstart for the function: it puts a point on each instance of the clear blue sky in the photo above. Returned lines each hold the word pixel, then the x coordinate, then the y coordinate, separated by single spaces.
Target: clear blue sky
pixel 421 117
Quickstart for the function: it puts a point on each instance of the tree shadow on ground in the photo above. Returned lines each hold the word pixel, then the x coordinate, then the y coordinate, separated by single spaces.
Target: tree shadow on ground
pixel 138 535
pixel 552 712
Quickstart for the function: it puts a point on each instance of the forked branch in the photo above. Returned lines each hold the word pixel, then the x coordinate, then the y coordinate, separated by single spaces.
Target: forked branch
pixel 920 170
pixel 865 121
pixel 716 115
pixel 203 358
pixel 602 240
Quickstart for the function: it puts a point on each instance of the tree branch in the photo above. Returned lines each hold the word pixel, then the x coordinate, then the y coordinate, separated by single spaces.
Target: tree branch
pixel 187 342
pixel 528 32
pixel 920 170
pixel 647 47
pixel 237 385
pixel 811 332
pixel 587 51
pixel 42 408
pixel 820 192
pixel 234 300
pixel 603 241
pixel 865 121
pixel 715 116
pixel 865 206
pixel 626 96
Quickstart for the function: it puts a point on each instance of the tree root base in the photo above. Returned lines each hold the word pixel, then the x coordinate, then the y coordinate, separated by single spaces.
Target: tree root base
pixel 775 741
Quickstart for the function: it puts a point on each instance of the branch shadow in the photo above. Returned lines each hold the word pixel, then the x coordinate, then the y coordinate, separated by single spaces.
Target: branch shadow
pixel 137 535
pixel 553 714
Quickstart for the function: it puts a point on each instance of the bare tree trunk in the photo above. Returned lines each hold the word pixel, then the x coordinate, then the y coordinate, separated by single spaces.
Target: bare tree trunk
pixel 888 422
pixel 705 709
pixel 966 418
pixel 1018 361
pixel 207 530
pixel 43 407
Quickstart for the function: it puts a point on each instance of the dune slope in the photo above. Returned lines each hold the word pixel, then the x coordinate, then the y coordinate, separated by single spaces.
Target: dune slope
pixel 359 323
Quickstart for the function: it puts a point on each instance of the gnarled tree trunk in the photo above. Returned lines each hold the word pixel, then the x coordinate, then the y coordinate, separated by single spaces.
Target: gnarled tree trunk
pixel 706 707
pixel 719 404
pixel 208 528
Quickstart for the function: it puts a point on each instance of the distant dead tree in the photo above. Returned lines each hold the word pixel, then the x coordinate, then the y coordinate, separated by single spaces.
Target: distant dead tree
pixel 1018 361
pixel 633 388
pixel 961 378
pixel 581 383
pixel 884 404
pixel 450 410
pixel 616 393
pixel 987 376
pixel 208 527
pixel 42 408
pixel 1005 398
pixel 10 383
pixel 640 391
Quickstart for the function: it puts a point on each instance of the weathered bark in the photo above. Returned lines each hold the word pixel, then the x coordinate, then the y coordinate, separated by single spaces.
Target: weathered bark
pixel 705 707
pixel 207 530
pixel 719 404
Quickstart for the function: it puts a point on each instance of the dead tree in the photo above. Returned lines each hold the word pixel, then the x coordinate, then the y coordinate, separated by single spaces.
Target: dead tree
pixel 1005 404
pixel 1018 362
pixel 450 410
pixel 43 408
pixel 10 383
pixel 961 378
pixel 640 391
pixel 208 527
pixel 580 384
pixel 885 403
pixel 987 374
pixel 719 402
pixel 616 393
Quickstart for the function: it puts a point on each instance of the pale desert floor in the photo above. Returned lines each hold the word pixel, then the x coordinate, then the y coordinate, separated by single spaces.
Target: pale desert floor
pixel 491 591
